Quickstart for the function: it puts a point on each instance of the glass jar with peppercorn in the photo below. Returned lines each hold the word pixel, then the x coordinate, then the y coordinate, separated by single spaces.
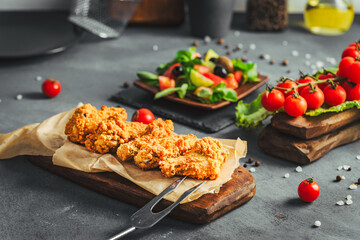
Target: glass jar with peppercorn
pixel 267 15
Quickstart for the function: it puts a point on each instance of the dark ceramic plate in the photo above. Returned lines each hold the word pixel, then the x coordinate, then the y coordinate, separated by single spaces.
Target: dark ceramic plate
pixel 241 91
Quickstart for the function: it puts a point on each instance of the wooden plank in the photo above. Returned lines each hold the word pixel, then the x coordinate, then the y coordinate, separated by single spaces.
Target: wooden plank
pixel 237 191
pixel 304 151
pixel 306 127
pixel 241 91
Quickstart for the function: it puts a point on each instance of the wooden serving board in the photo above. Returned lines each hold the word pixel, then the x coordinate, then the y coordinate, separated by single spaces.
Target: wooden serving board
pixel 237 191
pixel 306 127
pixel 241 92
pixel 304 151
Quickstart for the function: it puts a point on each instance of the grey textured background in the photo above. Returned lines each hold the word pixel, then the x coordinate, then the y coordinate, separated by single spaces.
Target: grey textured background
pixel 38 205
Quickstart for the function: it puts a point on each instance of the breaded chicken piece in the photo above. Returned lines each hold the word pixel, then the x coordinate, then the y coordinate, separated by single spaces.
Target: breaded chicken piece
pixel 204 161
pixel 150 154
pixel 157 129
pixel 111 133
pixel 86 120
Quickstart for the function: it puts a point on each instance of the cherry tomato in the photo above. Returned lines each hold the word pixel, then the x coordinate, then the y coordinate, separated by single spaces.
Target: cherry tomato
pixel 287 84
pixel 215 78
pixel 231 81
pixel 308 190
pixel 306 79
pixel 51 87
pixel 314 96
pixel 357 44
pixel 166 82
pixel 352 91
pixel 295 105
pixel 344 66
pixel 143 115
pixel 351 51
pixel 354 72
pixel 238 76
pixel 272 100
pixel 323 77
pixel 201 68
pixel 334 95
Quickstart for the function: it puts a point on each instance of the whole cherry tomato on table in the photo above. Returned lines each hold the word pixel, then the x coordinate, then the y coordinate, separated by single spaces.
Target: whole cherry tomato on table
pixel 272 100
pixel 295 105
pixel 344 66
pixel 313 95
pixel 352 91
pixel 334 94
pixel 287 83
pixel 354 72
pixel 308 190
pixel 306 79
pixel 51 87
pixel 323 77
pixel 143 115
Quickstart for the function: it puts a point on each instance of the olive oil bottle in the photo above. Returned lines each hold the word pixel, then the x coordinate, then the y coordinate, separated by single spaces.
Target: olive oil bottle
pixel 329 17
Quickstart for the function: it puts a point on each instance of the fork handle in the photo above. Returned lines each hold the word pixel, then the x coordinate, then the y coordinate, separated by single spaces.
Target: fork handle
pixel 123 233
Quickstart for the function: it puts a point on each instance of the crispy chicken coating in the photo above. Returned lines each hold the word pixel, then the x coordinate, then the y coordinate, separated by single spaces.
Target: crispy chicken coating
pixel 150 154
pixel 111 133
pixel 204 161
pixel 86 120
pixel 157 129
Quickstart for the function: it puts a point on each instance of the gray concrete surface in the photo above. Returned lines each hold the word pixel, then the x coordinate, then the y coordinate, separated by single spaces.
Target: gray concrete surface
pixel 36 204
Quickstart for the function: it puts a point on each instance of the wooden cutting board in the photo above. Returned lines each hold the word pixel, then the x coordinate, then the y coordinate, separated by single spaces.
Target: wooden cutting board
pixel 237 191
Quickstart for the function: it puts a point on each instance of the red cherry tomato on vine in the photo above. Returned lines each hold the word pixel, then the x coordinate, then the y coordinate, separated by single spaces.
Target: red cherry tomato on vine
pixel 334 95
pixel 287 84
pixel 143 115
pixel 306 79
pixel 351 51
pixel 344 66
pixel 272 100
pixel 352 91
pixel 295 105
pixel 51 87
pixel 308 190
pixel 323 77
pixel 354 72
pixel 314 96
pixel 357 44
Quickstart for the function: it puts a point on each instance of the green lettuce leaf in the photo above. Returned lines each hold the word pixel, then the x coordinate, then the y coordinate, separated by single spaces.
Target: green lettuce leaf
pixel 249 70
pixel 339 108
pixel 251 115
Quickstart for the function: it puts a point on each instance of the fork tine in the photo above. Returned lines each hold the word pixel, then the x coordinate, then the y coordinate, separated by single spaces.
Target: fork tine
pixel 137 217
pixel 145 218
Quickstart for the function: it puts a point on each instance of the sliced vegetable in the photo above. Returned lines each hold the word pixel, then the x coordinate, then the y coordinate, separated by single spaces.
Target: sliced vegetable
pixel 201 68
pixel 148 77
pixel 166 82
pixel 180 90
pixel 216 79
pixel 231 81
pixel 200 80
pixel 210 54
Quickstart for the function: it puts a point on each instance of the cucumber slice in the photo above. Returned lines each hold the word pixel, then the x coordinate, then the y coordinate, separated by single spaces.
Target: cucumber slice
pixel 199 80
pixel 210 54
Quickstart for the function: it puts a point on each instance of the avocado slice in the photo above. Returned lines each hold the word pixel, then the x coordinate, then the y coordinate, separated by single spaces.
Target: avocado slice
pixel 210 54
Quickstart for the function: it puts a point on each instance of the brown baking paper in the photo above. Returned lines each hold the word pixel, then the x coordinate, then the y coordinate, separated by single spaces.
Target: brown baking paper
pixel 48 139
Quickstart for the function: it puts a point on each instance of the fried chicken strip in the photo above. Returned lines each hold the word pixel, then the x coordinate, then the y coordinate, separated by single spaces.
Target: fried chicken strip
pixel 87 122
pixel 157 129
pixel 204 161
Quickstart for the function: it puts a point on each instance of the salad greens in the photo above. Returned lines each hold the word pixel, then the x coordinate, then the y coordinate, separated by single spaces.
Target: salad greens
pixel 196 86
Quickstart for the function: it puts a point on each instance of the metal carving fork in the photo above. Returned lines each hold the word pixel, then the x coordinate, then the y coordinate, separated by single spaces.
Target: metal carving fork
pixel 146 218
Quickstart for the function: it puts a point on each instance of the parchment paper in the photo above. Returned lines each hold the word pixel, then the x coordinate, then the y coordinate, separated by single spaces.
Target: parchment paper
pixel 48 139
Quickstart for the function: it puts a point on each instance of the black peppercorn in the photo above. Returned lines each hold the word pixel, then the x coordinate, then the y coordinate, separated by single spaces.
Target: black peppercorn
pixel 251 160
pixel 338 178
pixel 257 163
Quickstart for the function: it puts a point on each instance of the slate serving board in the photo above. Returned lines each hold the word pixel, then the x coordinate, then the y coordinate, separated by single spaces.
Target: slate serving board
pixel 237 191
pixel 200 119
